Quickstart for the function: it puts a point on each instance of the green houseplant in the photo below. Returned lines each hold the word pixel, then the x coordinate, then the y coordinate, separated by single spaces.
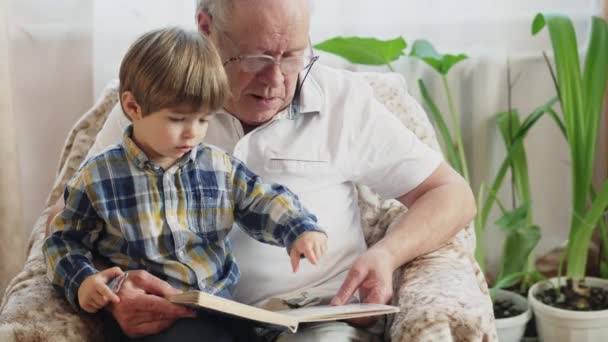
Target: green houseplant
pixel 580 97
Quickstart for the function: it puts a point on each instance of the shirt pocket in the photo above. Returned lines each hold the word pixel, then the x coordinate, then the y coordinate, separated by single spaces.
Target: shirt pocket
pixel 300 162
pixel 211 212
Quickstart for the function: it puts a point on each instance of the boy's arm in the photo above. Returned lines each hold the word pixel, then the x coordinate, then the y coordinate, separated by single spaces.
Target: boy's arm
pixel 269 213
pixel 68 248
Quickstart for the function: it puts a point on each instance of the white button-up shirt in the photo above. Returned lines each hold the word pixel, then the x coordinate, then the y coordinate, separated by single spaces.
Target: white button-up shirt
pixel 341 136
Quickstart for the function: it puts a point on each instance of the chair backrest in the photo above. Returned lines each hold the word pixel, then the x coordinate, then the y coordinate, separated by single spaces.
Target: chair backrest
pixel 391 90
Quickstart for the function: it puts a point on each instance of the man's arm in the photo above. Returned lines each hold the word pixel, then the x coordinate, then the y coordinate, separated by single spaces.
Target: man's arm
pixel 437 209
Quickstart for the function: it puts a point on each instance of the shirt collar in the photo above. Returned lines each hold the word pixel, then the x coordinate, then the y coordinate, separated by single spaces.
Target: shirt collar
pixel 141 160
pixel 311 99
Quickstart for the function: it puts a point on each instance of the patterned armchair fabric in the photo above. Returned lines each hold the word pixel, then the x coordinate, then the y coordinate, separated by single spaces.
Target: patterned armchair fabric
pixel 443 295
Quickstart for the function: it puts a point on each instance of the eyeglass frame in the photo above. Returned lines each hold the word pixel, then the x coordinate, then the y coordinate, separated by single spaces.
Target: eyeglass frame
pixel 275 60
pixel 294 105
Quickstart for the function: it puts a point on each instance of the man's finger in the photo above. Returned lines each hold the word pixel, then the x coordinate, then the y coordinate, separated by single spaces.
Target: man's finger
pixel 295 260
pixel 151 284
pixel 160 308
pixel 354 278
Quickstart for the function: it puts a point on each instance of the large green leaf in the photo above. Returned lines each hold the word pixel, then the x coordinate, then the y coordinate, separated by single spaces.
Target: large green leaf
pixel 424 50
pixel 514 219
pixel 521 133
pixel 444 133
pixel 509 124
pixel 594 85
pixel 368 51
pixel 579 245
pixel 519 243
pixel 581 99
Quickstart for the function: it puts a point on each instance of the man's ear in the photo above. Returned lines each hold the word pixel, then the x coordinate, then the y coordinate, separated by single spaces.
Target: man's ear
pixel 203 22
pixel 130 106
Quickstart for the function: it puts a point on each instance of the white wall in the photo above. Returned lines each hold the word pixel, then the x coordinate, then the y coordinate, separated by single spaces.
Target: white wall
pixel 50 52
pixel 64 52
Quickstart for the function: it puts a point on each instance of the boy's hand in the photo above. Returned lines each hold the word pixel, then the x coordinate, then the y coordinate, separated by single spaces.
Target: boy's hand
pixel 94 294
pixel 310 244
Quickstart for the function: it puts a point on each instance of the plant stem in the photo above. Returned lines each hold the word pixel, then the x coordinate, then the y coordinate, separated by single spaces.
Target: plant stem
pixel 457 133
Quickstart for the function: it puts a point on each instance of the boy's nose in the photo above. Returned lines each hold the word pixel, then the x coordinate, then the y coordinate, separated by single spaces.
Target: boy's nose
pixel 189 132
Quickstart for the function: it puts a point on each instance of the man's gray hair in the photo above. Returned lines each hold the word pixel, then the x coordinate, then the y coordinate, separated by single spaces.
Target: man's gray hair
pixel 219 10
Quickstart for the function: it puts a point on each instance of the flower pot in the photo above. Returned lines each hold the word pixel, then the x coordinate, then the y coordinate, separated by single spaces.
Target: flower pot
pixel 559 325
pixel 512 329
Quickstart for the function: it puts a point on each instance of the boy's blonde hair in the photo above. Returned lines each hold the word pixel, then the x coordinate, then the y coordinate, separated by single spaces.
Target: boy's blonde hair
pixel 176 69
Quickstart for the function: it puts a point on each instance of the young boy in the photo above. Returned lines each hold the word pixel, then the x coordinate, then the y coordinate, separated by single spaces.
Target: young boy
pixel 162 200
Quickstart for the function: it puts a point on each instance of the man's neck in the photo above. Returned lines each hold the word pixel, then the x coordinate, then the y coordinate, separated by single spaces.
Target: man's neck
pixel 248 128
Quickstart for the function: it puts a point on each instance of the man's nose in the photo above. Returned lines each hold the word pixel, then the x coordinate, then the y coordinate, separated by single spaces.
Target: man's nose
pixel 272 75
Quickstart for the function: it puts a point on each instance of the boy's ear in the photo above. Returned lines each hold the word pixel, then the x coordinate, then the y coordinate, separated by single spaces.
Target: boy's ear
pixel 130 106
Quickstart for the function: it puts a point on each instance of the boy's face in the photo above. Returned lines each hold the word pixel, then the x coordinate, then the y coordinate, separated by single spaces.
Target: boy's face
pixel 166 135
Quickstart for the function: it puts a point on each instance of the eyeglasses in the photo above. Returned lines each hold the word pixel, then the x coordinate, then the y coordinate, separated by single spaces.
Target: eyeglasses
pixel 257 63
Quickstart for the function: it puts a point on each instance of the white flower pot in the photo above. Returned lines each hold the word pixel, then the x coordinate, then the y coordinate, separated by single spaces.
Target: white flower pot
pixel 512 329
pixel 559 325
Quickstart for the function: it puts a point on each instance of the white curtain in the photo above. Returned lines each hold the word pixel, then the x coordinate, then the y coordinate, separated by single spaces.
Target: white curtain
pixel 65 51
pixel 12 234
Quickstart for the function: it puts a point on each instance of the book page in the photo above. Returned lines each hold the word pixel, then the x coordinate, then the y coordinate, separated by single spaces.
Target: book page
pixel 328 312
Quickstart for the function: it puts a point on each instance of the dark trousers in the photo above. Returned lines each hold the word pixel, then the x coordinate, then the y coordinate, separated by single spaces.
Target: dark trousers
pixel 205 327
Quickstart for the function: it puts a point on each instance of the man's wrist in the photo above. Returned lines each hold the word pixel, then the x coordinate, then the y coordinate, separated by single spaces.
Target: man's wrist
pixel 385 254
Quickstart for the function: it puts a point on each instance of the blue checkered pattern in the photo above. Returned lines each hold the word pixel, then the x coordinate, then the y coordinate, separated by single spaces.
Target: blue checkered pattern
pixel 173 223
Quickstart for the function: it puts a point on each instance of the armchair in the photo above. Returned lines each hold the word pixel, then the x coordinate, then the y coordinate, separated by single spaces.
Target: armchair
pixel 443 295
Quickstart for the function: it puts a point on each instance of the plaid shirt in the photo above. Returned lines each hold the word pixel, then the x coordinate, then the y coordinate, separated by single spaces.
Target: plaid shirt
pixel 172 223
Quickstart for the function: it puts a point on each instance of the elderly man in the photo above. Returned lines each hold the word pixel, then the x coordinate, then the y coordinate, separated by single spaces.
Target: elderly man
pixel 319 131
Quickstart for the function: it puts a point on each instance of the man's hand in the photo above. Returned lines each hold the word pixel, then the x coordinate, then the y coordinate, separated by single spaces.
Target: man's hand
pixel 143 308
pixel 310 244
pixel 372 275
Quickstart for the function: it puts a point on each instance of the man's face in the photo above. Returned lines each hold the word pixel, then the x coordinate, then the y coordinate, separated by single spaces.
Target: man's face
pixel 276 28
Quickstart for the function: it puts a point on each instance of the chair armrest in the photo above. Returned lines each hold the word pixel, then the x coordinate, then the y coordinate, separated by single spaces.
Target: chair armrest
pixel 443 296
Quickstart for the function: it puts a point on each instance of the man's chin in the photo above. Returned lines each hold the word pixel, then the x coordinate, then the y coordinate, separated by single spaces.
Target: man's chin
pixel 256 118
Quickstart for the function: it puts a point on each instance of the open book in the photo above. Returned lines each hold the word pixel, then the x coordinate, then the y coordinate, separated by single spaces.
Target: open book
pixel 284 319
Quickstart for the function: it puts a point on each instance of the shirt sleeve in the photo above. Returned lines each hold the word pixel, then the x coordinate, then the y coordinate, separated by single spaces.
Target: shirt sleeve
pixel 382 152
pixel 68 249
pixel 269 213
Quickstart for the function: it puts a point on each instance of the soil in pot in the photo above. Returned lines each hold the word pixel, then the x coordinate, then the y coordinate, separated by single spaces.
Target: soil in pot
pixel 505 309
pixel 582 299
